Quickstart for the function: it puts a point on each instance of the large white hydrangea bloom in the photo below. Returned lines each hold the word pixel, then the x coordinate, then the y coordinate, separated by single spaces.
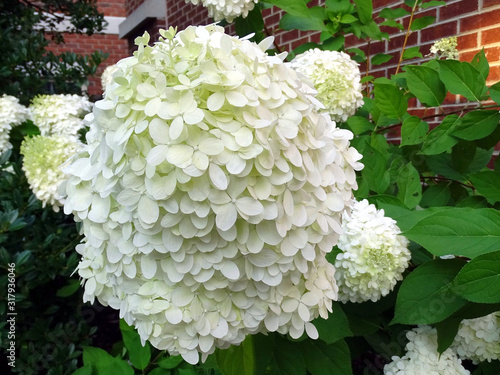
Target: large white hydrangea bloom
pixel 43 157
pixel 336 77
pixel 374 254
pixel 209 193
pixel 60 114
pixel 479 339
pixel 226 9
pixel 12 113
pixel 422 357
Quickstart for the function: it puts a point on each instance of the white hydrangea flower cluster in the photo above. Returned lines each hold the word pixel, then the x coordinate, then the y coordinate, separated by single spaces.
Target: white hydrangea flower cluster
pixel 226 9
pixel 422 357
pixel 60 114
pixel 446 47
pixel 336 77
pixel 210 192
pixel 12 113
pixel 374 254
pixel 43 157
pixel 479 339
pixel 107 76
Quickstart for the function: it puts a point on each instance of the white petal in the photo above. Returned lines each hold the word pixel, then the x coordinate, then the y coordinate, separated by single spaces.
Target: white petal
pixel 237 99
pixel 148 210
pixel 218 177
pixel 226 217
pixel 148 266
pixel 230 270
pixel 215 101
pixel 211 146
pixel 180 155
pixel 157 155
pixel 176 128
pixel 173 315
pixel 194 117
pixel 268 233
pixel 249 206
pixel 311 331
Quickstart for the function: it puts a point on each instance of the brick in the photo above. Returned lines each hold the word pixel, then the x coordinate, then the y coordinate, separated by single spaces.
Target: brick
pixel 467 41
pixel 490 3
pixel 396 43
pixel 479 21
pixel 438 31
pixel 490 36
pixel 494 75
pixel 457 9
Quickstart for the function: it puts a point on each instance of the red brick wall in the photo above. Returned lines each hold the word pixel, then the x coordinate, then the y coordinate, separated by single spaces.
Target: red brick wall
pixel 115 8
pixel 181 14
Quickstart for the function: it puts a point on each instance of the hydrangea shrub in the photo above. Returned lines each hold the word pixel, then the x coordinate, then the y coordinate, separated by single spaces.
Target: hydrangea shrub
pixel 210 192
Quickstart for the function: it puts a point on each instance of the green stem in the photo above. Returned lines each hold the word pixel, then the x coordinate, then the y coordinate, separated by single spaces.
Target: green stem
pixel 440 178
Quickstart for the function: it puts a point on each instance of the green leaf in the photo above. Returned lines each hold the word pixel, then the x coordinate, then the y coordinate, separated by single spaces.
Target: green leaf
pixel 304 23
pixel 393 13
pixel 440 138
pixel 413 131
pixel 479 280
pixel 85 370
pixel 338 6
pixel 436 195
pixel 103 363
pixel 359 125
pixel 392 23
pixel 159 371
pixel 253 23
pixel 390 100
pixel 487 184
pixel 409 186
pixel 425 296
pixel 333 44
pixel 348 18
pixel 323 359
pixel 477 124
pixel 433 3
pixel 68 290
pixel 251 357
pixel 480 62
pixel 375 170
pixel 446 332
pixel 462 78
pixel 335 328
pixel 461 231
pixel 381 58
pixel 422 23
pixel 139 355
pixel 495 92
pixel 287 358
pixel 462 155
pixel 425 84
pixel 412 53
pixel 365 10
pixel 359 52
pixel 171 362
pixel 293 7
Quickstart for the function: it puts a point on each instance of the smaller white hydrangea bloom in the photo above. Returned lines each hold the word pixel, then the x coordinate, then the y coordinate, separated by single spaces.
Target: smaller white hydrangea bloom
pixel 226 9
pixel 43 157
pixel 336 77
pixel 12 113
pixel 60 114
pixel 374 254
pixel 422 357
pixel 446 47
pixel 479 339
pixel 107 76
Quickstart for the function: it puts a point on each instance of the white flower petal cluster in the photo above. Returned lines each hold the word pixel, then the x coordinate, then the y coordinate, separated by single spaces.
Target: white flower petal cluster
pixel 59 114
pixel 210 192
pixel 12 113
pixel 43 157
pixel 374 254
pixel 107 76
pixel 226 9
pixel 446 47
pixel 479 339
pixel 422 357
pixel 336 77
